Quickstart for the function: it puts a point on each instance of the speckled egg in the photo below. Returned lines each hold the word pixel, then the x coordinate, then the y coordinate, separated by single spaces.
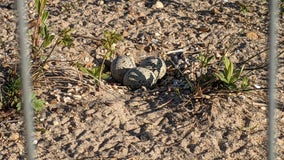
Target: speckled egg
pixel 120 66
pixel 138 77
pixel 156 65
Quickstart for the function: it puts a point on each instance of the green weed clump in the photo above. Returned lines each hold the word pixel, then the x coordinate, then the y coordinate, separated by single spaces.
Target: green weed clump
pixel 109 41
pixel 221 75
pixel 43 45
pixel 12 93
pixel 42 39
pixel 217 75
pixel 229 75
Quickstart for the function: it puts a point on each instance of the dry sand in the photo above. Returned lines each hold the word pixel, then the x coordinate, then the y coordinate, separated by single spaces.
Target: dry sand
pixel 166 122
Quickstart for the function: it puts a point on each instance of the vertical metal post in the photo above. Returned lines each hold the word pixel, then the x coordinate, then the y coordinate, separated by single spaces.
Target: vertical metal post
pixel 272 45
pixel 26 80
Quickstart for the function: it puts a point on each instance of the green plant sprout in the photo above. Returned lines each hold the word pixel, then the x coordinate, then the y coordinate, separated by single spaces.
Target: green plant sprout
pixel 177 92
pixel 229 76
pixel 205 59
pixel 64 39
pixel 42 38
pixel 12 92
pixel 38 104
pixel 245 83
pixel 109 43
pixel 244 8
pixel 40 26
pixel 94 72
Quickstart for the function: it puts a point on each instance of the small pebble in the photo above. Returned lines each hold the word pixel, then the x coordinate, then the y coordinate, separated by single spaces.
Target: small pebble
pixel 35 141
pixel 42 119
pixel 101 2
pixel 55 123
pixel 282 120
pixel 263 108
pixel 90 111
pixel 257 86
pixel 14 136
pixel 252 35
pixel 159 5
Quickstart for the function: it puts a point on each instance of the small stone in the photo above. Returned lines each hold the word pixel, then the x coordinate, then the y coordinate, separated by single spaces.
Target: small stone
pixel 159 5
pixel 90 111
pixel 257 86
pixel 101 2
pixel 30 4
pixel 120 66
pixel 137 77
pixel 35 141
pixel 252 36
pixel 203 29
pixel 55 123
pixel 156 65
pixel 215 11
pixel 263 108
pixel 66 99
pixel 282 120
pixel 42 119
pixel 14 136
pixel 13 156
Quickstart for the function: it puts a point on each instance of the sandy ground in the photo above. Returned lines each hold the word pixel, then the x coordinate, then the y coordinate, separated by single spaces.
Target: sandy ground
pixel 166 122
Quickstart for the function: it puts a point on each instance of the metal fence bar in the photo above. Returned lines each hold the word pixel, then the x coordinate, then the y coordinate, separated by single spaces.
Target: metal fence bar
pixel 26 80
pixel 272 72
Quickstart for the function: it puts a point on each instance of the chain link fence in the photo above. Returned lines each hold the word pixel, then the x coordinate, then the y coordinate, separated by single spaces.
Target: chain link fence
pixel 272 45
pixel 26 79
